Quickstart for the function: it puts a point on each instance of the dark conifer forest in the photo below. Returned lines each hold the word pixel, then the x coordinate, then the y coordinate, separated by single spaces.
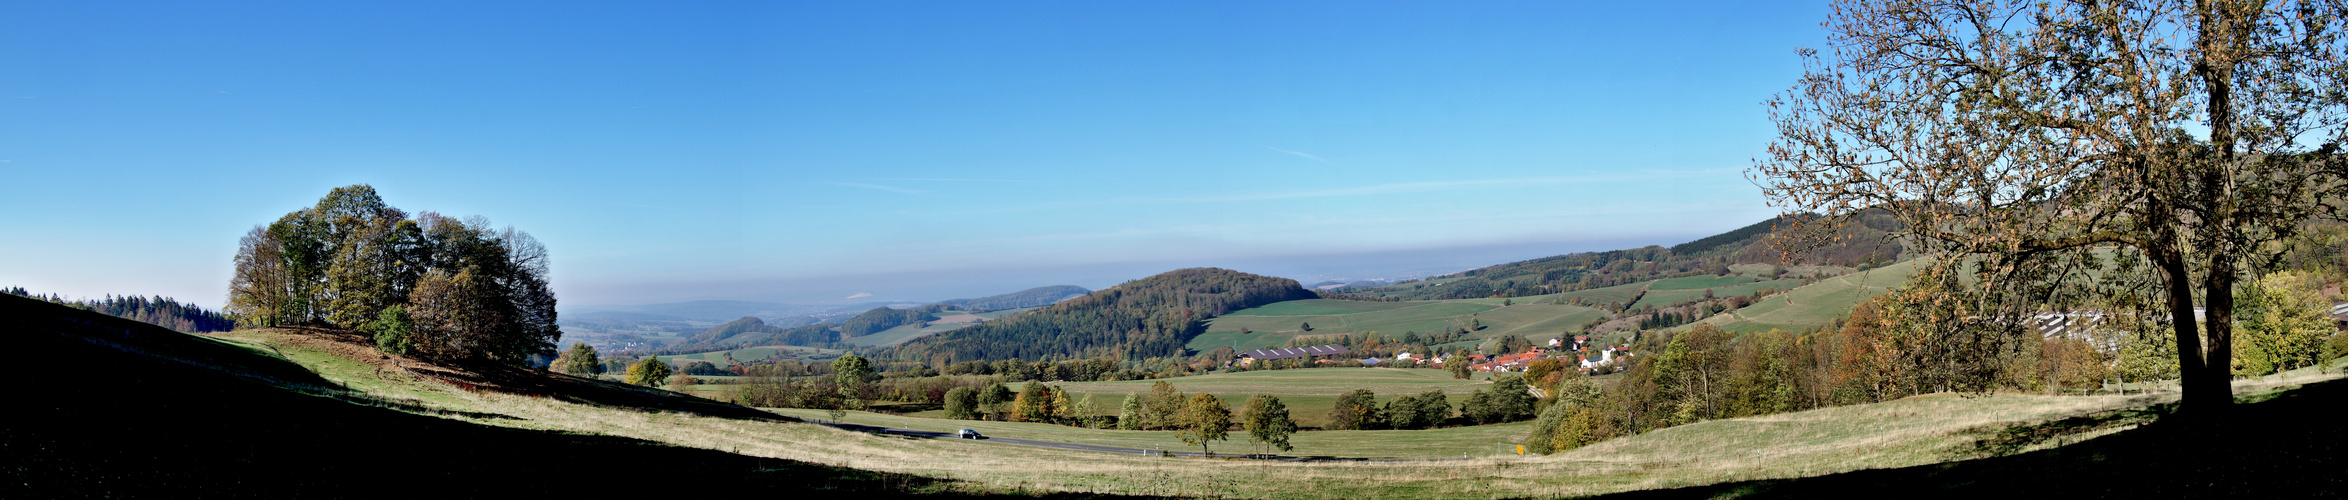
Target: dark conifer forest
pixel 159 311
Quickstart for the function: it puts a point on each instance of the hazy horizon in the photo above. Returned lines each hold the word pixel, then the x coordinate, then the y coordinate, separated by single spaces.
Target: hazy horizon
pixel 927 151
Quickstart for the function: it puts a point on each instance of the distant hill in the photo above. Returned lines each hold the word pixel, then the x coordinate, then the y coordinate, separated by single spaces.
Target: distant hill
pixel 883 318
pixel 751 331
pixel 706 310
pixel 1866 244
pixel 1145 318
pixel 1032 297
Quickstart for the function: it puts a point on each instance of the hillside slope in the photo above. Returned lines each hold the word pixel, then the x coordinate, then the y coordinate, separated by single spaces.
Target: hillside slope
pixel 1817 304
pixel 1149 317
pixel 1866 243
pixel 1032 297
pixel 168 414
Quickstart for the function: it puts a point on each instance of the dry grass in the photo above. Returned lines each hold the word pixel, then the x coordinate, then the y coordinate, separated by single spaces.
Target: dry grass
pixel 1913 431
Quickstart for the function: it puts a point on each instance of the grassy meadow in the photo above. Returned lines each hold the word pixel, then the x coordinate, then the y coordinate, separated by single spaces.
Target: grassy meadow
pixel 719 358
pixel 1451 442
pixel 1721 286
pixel 1309 393
pixel 1273 325
pixel 1914 431
pixel 1817 304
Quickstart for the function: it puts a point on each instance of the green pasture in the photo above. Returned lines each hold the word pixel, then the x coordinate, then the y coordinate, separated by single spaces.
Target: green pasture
pixel 1309 393
pixel 1762 270
pixel 1272 331
pixel 1698 282
pixel 1319 307
pixel 1608 295
pixel 1816 304
pixel 1675 296
pixel 1273 325
pixel 1452 442
pixel 747 354
pixel 1536 322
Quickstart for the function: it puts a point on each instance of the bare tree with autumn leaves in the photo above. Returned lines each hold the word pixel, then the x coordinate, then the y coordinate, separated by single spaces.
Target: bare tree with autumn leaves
pixel 2025 144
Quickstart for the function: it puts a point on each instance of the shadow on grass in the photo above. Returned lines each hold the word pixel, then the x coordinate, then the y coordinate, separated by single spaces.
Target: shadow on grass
pixel 2285 443
pixel 136 423
pixel 1998 441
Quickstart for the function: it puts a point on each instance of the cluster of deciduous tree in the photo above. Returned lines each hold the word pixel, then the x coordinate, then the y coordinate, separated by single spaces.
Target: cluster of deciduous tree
pixel 1891 347
pixel 848 387
pixel 782 392
pixel 1034 402
pixel 428 285
pixel 1201 418
pixel 160 311
pixel 1075 370
pixel 1507 400
pixel 1155 410
pixel 1146 318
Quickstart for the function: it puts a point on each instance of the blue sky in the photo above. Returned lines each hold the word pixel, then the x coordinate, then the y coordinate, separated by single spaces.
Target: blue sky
pixel 803 151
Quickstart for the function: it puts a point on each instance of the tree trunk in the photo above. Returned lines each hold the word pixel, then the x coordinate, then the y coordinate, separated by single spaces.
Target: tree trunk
pixel 2216 380
pixel 2181 320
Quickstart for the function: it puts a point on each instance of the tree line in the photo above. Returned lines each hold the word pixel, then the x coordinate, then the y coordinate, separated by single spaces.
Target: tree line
pixel 425 285
pixel 158 310
pixel 1888 348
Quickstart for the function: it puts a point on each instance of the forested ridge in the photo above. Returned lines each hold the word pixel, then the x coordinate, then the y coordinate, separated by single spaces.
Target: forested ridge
pixel 1032 297
pixel 159 311
pixel 883 318
pixel 1865 244
pixel 1146 318
pixel 751 331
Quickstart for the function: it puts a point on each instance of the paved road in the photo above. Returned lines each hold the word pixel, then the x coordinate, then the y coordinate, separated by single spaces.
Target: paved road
pixel 1099 448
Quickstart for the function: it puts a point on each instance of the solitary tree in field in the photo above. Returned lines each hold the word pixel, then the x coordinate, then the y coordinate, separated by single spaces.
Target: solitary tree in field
pixel 1357 410
pixel 962 403
pixel 649 372
pixel 1267 422
pixel 849 372
pixel 992 398
pixel 1035 403
pixel 2026 145
pixel 1163 406
pixel 1084 409
pixel 1204 419
pixel 580 359
pixel 1131 413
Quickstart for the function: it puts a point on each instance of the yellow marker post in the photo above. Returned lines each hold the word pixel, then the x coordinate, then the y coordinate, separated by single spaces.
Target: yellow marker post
pixel 1520 449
